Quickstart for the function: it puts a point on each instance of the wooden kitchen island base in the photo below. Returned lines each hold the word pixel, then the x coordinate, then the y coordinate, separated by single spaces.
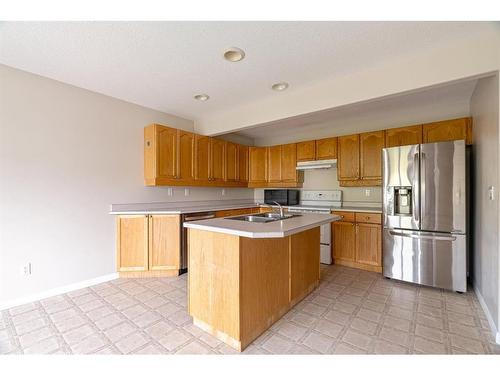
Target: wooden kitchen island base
pixel 239 286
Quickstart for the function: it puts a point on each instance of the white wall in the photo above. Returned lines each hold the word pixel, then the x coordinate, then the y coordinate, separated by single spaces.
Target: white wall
pixel 485 250
pixel 326 179
pixel 66 154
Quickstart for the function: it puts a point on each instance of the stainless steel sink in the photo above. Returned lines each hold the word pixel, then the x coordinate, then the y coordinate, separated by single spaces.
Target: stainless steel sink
pixel 263 218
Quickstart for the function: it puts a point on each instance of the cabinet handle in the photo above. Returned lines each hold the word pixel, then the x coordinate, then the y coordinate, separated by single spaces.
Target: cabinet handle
pixel 367 217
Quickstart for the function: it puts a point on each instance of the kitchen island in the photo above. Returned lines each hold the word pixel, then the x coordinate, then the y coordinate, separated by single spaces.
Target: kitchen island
pixel 243 276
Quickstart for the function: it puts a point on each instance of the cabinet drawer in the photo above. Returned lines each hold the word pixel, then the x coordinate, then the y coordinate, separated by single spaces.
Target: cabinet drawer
pixel 365 217
pixel 345 215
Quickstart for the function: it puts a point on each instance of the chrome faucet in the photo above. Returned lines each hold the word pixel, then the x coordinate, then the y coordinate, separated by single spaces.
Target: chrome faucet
pixel 282 215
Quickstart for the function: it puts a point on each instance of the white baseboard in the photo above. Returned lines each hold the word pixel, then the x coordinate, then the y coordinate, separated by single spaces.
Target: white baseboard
pixel 54 292
pixel 493 327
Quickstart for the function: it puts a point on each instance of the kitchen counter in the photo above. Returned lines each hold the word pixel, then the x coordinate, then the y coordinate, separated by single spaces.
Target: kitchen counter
pixel 172 208
pixel 273 229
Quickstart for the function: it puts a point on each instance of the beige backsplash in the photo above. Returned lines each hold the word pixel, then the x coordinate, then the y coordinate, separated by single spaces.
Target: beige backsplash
pixel 326 179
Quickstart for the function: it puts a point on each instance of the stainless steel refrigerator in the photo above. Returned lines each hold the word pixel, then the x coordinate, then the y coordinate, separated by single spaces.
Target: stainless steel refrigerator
pixel 425 214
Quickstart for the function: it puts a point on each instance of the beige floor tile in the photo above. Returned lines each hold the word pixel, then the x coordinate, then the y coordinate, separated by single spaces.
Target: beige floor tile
pixel 195 348
pixel 384 347
pixel 344 307
pixel 33 337
pixel 338 317
pixel 318 342
pixel 119 331
pixel 464 330
pixel 395 336
pixel 400 313
pixel 43 347
pixel 397 323
pixel 364 326
pixel 429 347
pixel 174 340
pixel 277 345
pixel 30 326
pixel 78 334
pixel 89 345
pixel 158 330
pixel 370 315
pixel 430 321
pixel 471 345
pixel 291 330
pixel 430 333
pixel 304 319
pixel 342 348
pixel 357 339
pixel 330 329
pixel 130 343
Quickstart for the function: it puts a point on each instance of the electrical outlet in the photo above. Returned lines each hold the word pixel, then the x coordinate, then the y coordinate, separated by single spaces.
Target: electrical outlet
pixel 25 270
pixel 186 192
pixel 491 193
pixel 368 192
pixel 223 192
pixel 170 192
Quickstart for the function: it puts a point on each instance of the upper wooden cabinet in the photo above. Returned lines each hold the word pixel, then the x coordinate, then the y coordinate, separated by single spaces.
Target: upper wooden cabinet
pixel 408 135
pixel 232 165
pixel 319 149
pixel 202 158
pixel 450 130
pixel 326 148
pixel 371 145
pixel 274 164
pixel 257 157
pixel 306 151
pixel 165 141
pixel 243 164
pixel 348 157
pixel 185 157
pixel 289 164
pixel 217 160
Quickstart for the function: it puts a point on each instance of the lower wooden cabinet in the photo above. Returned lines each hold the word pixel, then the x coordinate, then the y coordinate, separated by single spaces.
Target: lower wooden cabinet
pixel 357 240
pixel 148 245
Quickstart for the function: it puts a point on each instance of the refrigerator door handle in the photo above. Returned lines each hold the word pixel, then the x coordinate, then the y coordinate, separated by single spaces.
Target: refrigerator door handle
pixel 416 188
pixel 423 236
pixel 422 184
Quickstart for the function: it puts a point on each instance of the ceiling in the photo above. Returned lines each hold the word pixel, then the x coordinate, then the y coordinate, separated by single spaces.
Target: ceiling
pixel 427 105
pixel 161 65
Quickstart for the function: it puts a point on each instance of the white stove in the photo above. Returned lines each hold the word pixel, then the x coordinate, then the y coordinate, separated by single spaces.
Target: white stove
pixel 321 202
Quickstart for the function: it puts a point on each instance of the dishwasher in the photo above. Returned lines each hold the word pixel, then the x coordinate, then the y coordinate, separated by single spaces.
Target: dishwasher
pixel 184 237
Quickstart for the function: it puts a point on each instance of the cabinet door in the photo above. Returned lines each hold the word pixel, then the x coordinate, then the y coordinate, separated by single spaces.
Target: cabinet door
pixel 231 162
pixel 348 157
pixel 326 148
pixel 289 163
pixel 408 135
pixel 274 162
pixel 243 163
pixel 371 145
pixel 451 130
pixel 218 159
pixel 132 243
pixel 202 158
pixel 164 242
pixel 306 151
pixel 258 164
pixel 167 152
pixel 369 244
pixel 186 156
pixel 344 240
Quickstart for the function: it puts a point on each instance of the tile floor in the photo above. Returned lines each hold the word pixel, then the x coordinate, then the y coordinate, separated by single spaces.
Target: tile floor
pixel 351 312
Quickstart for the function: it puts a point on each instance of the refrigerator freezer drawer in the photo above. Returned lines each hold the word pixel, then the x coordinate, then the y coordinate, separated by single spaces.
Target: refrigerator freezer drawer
pixel 427 258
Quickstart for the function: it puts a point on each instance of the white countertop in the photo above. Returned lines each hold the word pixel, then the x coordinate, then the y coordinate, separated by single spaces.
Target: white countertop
pixel 177 208
pixel 359 209
pixel 172 208
pixel 273 229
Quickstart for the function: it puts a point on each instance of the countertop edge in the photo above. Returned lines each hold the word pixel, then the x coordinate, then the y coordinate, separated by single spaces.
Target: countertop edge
pixel 271 234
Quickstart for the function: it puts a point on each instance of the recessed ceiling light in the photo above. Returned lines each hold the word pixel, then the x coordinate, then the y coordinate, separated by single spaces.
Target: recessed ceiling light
pixel 280 86
pixel 202 97
pixel 234 54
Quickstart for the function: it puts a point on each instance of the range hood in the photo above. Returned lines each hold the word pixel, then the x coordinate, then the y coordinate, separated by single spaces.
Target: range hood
pixel 316 164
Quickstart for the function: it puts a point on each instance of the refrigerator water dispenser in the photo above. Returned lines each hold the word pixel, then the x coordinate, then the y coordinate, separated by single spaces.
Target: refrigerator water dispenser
pixel 402 201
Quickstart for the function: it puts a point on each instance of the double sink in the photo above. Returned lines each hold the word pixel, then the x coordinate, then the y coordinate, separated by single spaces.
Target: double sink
pixel 263 218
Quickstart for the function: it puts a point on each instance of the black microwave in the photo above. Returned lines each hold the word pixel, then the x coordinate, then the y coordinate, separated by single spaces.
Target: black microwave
pixel 284 197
